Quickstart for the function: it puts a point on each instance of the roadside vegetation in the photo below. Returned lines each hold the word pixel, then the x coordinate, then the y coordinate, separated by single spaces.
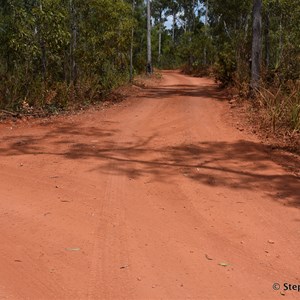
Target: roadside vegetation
pixel 56 53
pixel 251 46
pixel 59 54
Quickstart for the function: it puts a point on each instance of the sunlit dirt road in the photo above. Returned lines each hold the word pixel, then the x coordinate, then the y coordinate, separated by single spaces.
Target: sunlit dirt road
pixel 158 197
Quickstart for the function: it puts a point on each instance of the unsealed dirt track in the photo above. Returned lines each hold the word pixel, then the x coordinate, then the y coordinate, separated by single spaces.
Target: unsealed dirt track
pixel 158 197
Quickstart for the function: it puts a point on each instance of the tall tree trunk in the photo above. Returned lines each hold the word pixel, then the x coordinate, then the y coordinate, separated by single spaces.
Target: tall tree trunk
pixel 206 12
pixel 73 44
pixel 131 46
pixel 267 39
pixel 149 54
pixel 42 46
pixel 44 59
pixel 206 23
pixel 193 17
pixel 159 36
pixel 173 26
pixel 280 48
pixel 256 45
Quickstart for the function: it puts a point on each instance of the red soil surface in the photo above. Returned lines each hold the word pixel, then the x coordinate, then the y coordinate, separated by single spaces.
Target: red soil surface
pixel 158 197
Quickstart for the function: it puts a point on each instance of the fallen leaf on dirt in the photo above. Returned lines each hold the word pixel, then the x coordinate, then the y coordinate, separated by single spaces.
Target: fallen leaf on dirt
pixel 124 267
pixel 73 249
pixel 223 264
pixel 208 257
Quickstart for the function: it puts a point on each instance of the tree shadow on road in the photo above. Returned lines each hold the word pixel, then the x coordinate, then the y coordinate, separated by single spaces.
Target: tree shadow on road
pixel 209 91
pixel 240 165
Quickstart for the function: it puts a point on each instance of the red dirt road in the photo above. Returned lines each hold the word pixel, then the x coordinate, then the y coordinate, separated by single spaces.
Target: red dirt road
pixel 158 197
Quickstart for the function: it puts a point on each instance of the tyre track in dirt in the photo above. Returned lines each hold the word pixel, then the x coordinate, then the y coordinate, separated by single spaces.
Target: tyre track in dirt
pixel 153 194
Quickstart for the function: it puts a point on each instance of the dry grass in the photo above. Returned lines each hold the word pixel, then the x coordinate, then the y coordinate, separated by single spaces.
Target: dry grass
pixel 280 107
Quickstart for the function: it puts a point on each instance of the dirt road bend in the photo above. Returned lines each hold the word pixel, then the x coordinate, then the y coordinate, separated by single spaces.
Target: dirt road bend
pixel 158 197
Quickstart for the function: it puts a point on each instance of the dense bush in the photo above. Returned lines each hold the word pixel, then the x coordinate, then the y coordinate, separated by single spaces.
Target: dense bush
pixel 55 52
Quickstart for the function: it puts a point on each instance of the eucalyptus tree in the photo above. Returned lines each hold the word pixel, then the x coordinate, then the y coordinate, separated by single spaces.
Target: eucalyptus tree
pixel 51 45
pixel 149 50
pixel 173 10
pixel 229 24
pixel 131 45
pixel 187 15
pixel 282 38
pixel 158 13
pixel 256 44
